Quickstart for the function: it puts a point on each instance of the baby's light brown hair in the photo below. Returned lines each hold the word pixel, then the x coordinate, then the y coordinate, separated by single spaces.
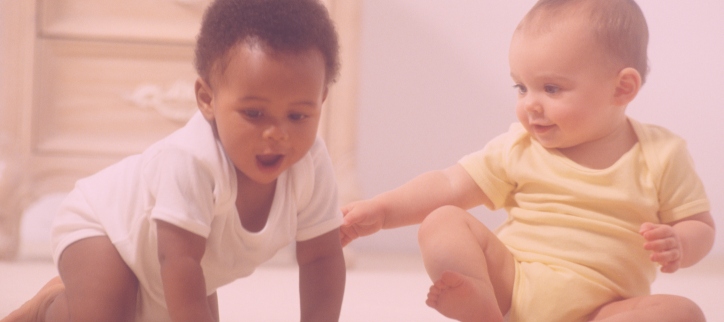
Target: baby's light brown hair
pixel 618 25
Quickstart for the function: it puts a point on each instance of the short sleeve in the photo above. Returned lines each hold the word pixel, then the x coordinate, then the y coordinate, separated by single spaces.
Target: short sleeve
pixel 316 195
pixel 487 168
pixel 183 190
pixel 681 192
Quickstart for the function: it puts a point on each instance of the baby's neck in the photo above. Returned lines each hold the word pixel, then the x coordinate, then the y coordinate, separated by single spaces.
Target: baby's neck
pixel 605 152
pixel 253 203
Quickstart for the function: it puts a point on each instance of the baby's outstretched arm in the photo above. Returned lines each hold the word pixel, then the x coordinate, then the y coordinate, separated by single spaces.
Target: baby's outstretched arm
pixel 180 253
pixel 361 218
pixel 680 244
pixel 412 202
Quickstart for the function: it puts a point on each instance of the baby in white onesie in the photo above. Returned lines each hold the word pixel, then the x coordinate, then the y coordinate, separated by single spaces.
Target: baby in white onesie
pixel 153 237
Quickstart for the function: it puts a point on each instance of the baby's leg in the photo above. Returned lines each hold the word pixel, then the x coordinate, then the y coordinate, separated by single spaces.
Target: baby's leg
pixel 98 286
pixel 658 307
pixel 36 307
pixel 473 272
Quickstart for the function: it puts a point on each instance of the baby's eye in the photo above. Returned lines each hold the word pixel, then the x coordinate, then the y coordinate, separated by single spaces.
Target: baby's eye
pixel 297 116
pixel 552 89
pixel 251 113
pixel 521 89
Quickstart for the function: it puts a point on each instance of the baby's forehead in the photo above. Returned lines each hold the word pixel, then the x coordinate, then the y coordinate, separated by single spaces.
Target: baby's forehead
pixel 233 51
pixel 218 72
pixel 546 20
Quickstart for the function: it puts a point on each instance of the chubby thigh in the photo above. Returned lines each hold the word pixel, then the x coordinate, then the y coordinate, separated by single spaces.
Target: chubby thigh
pixel 551 293
pixel 99 285
pixel 94 271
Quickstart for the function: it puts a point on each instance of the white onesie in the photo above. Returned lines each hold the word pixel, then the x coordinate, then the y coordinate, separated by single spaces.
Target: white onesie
pixel 187 180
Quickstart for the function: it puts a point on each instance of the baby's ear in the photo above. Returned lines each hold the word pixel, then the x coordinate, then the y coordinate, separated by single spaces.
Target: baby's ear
pixel 204 98
pixel 325 93
pixel 627 86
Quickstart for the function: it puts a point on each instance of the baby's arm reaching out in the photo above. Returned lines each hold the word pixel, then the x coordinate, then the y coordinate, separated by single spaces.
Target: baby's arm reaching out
pixel 411 203
pixel 680 244
pixel 180 253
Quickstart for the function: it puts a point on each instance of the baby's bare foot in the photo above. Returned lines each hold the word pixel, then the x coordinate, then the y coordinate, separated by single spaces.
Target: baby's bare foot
pixel 34 309
pixel 464 298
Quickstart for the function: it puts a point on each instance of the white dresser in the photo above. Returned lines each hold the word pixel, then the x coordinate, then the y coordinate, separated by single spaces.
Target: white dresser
pixel 85 83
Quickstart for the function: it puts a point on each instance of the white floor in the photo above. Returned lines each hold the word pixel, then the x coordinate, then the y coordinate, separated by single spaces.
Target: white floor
pixel 380 287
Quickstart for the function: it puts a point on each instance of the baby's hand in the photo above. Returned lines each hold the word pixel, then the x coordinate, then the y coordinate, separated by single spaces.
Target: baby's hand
pixel 665 245
pixel 361 218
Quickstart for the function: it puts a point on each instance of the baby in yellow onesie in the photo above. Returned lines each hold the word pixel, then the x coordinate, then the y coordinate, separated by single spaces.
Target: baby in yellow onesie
pixel 595 200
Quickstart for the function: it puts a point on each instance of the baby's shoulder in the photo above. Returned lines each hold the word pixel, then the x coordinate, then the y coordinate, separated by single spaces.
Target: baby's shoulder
pixel 658 141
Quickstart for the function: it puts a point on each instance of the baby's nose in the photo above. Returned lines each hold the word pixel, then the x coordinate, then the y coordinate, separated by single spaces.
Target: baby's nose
pixel 532 106
pixel 275 132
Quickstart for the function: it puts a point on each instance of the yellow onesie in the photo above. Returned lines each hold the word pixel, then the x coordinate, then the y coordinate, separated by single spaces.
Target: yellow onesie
pixel 574 231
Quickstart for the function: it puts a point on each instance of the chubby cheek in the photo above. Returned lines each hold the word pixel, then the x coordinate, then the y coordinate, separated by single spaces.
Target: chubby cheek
pixel 238 146
pixel 568 119
pixel 520 113
pixel 522 116
pixel 306 135
pixel 303 144
pixel 233 141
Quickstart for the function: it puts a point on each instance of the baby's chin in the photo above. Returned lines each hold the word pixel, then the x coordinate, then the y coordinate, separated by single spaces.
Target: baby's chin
pixel 548 144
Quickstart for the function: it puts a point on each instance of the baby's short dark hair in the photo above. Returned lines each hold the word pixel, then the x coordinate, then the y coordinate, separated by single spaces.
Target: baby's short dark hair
pixel 283 26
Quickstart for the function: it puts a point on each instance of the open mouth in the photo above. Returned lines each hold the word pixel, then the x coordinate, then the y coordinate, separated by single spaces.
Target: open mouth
pixel 269 160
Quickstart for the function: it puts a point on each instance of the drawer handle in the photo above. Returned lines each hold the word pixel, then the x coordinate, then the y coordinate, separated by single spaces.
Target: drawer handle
pixel 176 102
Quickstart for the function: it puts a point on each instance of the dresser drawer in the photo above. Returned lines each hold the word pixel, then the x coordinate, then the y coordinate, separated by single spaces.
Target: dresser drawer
pixel 107 98
pixel 175 21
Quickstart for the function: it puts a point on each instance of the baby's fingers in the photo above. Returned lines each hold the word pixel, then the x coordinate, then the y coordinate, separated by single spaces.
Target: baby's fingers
pixel 661 245
pixel 346 209
pixel 666 266
pixel 667 252
pixel 670 267
pixel 666 257
pixel 646 227
pixel 347 235
pixel 351 216
pixel 653 232
pixel 348 232
pixel 361 213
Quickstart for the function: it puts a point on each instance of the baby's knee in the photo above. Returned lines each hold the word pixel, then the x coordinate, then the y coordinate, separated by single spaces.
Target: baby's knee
pixel 446 222
pixel 437 221
pixel 672 308
pixel 683 308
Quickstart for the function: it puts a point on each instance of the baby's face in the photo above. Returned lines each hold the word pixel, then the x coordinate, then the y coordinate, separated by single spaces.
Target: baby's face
pixel 266 108
pixel 565 86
